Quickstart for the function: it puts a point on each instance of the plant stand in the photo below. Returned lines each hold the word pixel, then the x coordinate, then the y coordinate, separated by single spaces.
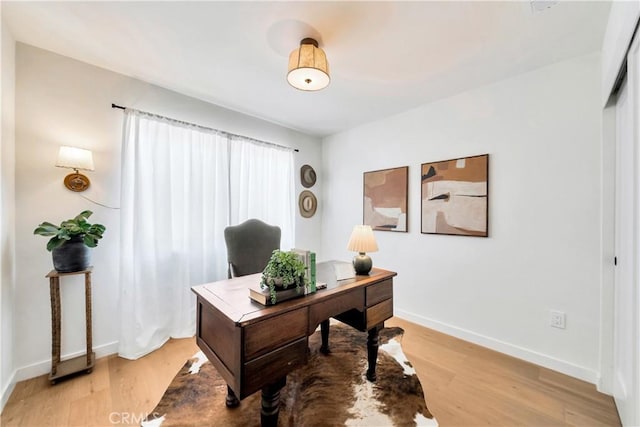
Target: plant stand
pixel 85 362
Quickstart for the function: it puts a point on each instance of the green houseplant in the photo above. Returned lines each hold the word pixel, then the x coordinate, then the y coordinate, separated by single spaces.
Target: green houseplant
pixel 70 241
pixel 284 269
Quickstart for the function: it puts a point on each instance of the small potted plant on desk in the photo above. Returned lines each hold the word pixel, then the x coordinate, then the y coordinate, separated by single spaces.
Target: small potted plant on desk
pixel 284 276
pixel 70 242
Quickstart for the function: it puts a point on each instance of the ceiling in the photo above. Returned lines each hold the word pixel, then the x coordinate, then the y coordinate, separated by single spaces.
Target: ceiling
pixel 384 57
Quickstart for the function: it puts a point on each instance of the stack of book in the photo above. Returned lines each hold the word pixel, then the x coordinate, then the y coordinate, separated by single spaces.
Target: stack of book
pixel 262 296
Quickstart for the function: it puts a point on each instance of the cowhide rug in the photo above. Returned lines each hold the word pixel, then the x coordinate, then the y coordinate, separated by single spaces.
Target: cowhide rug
pixel 331 390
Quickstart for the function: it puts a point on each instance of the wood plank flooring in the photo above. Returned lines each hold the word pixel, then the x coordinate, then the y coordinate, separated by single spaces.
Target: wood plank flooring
pixel 117 392
pixel 464 384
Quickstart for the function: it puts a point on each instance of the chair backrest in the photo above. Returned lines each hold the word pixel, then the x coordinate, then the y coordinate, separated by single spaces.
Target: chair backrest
pixel 249 246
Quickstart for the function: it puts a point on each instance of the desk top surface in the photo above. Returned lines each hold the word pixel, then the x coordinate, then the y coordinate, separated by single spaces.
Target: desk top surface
pixel 231 296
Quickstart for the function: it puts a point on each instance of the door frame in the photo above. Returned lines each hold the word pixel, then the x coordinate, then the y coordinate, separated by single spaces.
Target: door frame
pixel 608 233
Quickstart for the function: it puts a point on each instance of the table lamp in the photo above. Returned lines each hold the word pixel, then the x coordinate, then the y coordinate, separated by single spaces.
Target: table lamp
pixel 362 240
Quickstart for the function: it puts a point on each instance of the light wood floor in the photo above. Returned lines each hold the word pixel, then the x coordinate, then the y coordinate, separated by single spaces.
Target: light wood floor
pixel 464 385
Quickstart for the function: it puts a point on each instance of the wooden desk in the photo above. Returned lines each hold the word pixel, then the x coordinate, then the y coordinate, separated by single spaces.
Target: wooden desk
pixel 254 347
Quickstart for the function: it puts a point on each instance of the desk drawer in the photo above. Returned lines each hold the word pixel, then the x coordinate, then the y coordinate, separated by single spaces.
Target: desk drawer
pixel 379 313
pixel 334 306
pixel 267 335
pixel 379 292
pixel 268 368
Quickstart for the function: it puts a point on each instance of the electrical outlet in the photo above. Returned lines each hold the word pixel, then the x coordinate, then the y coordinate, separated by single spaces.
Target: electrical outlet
pixel 557 319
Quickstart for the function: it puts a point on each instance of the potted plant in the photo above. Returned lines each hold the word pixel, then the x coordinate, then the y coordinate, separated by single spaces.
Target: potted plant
pixel 283 270
pixel 70 242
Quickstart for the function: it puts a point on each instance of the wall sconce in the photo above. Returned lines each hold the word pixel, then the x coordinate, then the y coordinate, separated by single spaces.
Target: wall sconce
pixel 76 159
pixel 362 240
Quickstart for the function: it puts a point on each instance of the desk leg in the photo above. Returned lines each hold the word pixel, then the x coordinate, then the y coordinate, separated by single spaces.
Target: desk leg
pixel 271 403
pixel 372 351
pixel 232 400
pixel 324 332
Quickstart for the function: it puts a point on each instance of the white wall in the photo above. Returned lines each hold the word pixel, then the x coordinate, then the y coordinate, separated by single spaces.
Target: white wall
pixel 7 217
pixel 60 101
pixel 542 131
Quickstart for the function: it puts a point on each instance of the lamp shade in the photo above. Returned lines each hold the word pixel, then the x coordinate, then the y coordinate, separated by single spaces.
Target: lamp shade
pixel 308 67
pixel 75 158
pixel 362 239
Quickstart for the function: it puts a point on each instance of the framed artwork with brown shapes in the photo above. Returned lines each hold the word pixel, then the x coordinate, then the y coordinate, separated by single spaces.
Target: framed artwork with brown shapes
pixel 455 196
pixel 386 199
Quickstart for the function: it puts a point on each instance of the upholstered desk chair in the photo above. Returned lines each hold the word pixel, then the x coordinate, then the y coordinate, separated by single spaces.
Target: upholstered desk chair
pixel 249 246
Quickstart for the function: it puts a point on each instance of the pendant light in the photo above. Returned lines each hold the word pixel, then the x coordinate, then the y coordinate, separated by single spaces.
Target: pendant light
pixel 308 67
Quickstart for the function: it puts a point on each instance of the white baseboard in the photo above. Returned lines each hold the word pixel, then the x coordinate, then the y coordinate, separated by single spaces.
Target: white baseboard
pixel 604 385
pixel 44 367
pixel 8 389
pixel 567 368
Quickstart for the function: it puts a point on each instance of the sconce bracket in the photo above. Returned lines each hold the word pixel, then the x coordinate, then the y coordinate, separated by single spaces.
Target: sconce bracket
pixel 76 182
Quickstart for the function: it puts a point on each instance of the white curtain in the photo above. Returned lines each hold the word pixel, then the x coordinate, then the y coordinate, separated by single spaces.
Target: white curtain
pixel 180 184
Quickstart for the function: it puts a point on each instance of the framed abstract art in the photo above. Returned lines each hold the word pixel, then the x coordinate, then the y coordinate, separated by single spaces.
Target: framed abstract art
pixel 385 199
pixel 455 196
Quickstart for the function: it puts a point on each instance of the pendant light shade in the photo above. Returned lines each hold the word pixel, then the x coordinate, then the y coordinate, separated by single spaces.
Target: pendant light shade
pixel 308 67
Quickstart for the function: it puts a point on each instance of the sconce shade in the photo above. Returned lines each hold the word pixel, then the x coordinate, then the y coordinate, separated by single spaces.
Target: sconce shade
pixel 308 67
pixel 75 158
pixel 362 239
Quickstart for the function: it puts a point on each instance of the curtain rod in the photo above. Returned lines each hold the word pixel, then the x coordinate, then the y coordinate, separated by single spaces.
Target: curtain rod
pixel 208 128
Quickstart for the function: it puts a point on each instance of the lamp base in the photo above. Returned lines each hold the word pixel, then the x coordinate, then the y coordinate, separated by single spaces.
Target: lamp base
pixel 362 264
